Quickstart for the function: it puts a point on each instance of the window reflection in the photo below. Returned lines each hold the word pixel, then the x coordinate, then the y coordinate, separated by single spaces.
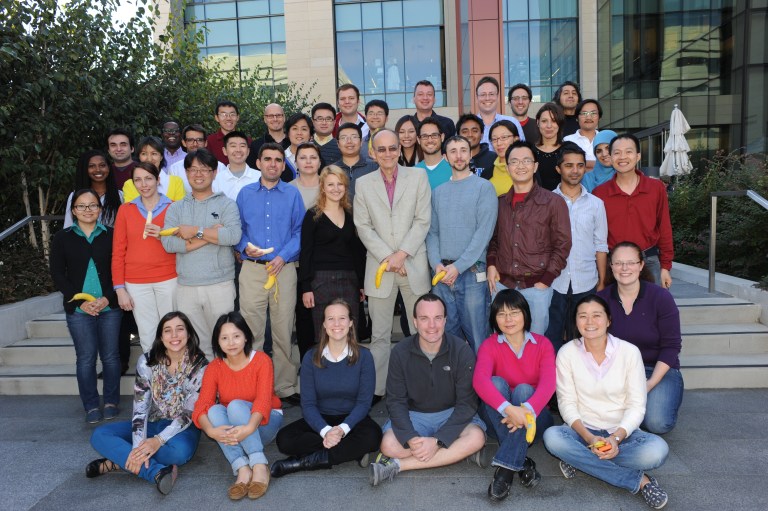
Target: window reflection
pixel 385 56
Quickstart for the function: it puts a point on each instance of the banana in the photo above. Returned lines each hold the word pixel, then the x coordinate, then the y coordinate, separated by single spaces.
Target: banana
pixel 438 277
pixel 380 273
pixel 149 221
pixel 169 231
pixel 270 282
pixel 83 296
pixel 530 434
pixel 264 251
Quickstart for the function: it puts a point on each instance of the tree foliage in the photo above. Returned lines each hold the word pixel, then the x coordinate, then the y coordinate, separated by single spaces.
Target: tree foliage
pixel 72 73
pixel 742 239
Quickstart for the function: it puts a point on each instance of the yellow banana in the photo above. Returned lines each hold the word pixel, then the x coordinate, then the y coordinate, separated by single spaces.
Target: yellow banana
pixel 264 251
pixel 438 277
pixel 149 221
pixel 530 434
pixel 380 273
pixel 169 231
pixel 270 282
pixel 83 296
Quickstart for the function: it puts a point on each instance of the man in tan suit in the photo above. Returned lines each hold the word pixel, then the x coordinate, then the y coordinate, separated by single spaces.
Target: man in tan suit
pixel 392 212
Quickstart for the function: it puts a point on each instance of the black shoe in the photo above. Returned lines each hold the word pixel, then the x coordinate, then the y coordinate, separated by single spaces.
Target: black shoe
pixel 293 399
pixel 501 484
pixel 529 476
pixel 315 461
pixel 166 478
pixel 99 467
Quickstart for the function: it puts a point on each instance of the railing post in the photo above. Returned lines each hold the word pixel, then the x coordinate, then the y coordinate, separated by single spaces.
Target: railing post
pixel 712 242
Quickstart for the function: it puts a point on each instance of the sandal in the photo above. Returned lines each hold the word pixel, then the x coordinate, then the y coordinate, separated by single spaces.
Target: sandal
pixel 99 467
pixel 237 491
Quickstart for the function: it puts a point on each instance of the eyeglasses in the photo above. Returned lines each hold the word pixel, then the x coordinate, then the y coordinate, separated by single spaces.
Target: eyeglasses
pixel 430 136
pixel 514 162
pixel 87 207
pixel 520 98
pixel 274 116
pixel 502 138
pixel 385 149
pixel 349 138
pixel 590 113
pixel 513 314
pixel 171 130
pixel 199 170
pixel 194 140
pixel 228 115
pixel 323 119
pixel 624 264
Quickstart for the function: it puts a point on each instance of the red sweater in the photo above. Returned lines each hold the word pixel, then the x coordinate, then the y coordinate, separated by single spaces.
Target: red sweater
pixel 138 260
pixel 253 383
pixel 642 217
pixel 536 368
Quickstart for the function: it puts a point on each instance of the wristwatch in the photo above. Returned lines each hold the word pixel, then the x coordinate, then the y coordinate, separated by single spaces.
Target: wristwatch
pixel 199 234
pixel 618 440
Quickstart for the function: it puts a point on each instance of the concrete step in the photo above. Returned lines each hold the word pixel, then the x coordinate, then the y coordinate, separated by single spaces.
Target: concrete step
pixel 724 371
pixel 726 339
pixel 708 311
pixel 53 379
pixel 53 325
pixel 47 350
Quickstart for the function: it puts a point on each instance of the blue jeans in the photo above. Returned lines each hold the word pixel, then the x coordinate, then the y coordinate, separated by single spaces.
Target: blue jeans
pixel 512 446
pixel 97 336
pixel 638 453
pixel 561 317
pixel 654 266
pixel 664 401
pixel 114 441
pixel 250 451
pixel 467 302
pixel 428 424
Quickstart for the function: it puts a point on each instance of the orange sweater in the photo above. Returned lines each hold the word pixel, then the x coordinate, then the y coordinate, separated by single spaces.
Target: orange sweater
pixel 138 260
pixel 253 383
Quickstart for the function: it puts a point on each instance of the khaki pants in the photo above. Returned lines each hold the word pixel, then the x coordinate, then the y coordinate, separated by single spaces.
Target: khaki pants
pixel 282 310
pixel 150 303
pixel 204 305
pixel 381 311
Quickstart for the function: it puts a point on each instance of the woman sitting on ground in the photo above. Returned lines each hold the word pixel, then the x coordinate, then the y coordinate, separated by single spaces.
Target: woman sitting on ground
pixel 337 382
pixel 601 396
pixel 514 376
pixel 238 407
pixel 646 315
pixel 161 436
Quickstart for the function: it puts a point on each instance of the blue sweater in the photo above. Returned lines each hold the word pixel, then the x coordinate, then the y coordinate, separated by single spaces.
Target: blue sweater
pixel 337 389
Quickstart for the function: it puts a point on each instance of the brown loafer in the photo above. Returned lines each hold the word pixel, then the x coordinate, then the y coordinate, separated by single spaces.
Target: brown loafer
pixel 257 489
pixel 237 491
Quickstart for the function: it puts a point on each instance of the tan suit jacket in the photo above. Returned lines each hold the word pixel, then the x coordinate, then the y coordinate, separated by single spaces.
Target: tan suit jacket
pixel 404 226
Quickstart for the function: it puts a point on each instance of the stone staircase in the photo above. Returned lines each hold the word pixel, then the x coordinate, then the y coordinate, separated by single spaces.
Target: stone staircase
pixel 724 346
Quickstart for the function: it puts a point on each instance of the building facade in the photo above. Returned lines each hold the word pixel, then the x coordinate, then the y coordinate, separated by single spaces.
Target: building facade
pixel 638 57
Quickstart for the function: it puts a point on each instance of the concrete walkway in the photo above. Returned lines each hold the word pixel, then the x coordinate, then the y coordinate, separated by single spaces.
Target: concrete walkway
pixel 718 461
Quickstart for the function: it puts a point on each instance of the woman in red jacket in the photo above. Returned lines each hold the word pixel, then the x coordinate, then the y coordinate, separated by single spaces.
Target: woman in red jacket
pixel 143 273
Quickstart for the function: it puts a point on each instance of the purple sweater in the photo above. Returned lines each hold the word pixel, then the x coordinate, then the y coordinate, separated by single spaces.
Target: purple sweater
pixel 653 325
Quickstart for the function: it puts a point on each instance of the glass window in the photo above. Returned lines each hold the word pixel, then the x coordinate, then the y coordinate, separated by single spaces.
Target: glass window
pixel 221 33
pixel 385 47
pixel 254 30
pixel 253 8
pixel 276 7
pixel 220 11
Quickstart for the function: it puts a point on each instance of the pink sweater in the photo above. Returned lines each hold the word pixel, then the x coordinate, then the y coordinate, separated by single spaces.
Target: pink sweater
pixel 536 368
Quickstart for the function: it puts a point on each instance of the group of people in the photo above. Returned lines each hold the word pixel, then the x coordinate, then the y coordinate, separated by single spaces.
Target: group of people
pixel 222 241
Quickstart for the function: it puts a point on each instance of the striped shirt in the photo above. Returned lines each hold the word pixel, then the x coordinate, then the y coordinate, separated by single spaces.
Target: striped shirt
pixel 589 233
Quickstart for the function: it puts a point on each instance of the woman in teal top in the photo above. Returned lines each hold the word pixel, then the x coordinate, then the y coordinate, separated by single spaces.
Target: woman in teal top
pixel 81 262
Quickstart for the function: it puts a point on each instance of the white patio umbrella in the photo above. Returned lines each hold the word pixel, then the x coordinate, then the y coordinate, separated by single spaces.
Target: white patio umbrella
pixel 676 161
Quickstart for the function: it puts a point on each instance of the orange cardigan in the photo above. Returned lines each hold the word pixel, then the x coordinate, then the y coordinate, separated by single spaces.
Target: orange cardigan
pixel 253 383
pixel 138 260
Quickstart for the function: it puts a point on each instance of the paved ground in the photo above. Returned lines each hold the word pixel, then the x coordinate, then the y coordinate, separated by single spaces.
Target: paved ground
pixel 718 461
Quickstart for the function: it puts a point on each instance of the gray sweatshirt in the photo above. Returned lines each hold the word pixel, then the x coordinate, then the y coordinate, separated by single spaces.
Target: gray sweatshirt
pixel 209 264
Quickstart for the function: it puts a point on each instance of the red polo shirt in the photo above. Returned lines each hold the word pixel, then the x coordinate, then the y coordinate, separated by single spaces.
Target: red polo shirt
pixel 641 217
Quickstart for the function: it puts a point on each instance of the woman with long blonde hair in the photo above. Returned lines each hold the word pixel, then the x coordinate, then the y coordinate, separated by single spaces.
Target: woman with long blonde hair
pixel 337 381
pixel 332 258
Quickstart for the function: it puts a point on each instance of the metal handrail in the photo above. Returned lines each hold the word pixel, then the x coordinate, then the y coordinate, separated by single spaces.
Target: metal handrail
pixel 26 220
pixel 759 199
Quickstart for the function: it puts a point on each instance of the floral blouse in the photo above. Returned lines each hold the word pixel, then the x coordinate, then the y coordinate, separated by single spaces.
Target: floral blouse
pixel 158 394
